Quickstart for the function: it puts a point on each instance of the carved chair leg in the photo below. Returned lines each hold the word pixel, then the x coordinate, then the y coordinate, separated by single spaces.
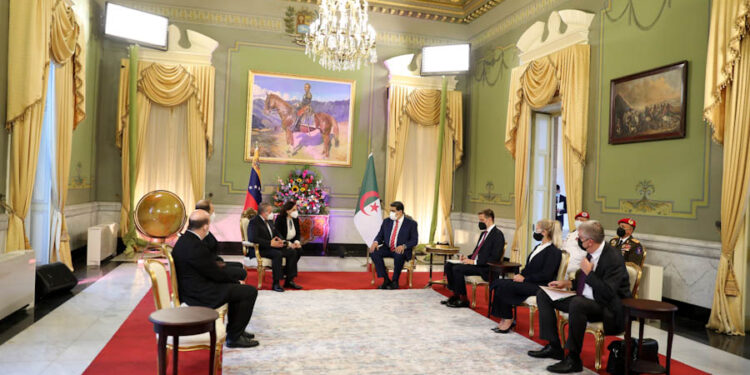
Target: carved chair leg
pixel 261 271
pixel 373 275
pixel 473 295
pixel 599 336
pixel 532 310
pixel 561 327
pixel 218 357
pixel 411 277
pixel 487 293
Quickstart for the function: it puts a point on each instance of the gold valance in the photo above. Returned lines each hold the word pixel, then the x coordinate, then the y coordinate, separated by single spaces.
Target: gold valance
pixel 729 25
pixel 170 85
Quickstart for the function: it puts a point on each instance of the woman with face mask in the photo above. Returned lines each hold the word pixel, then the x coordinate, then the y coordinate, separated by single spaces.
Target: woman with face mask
pixel 541 268
pixel 287 224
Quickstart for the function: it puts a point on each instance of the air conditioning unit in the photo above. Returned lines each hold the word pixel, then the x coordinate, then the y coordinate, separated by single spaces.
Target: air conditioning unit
pixel 102 243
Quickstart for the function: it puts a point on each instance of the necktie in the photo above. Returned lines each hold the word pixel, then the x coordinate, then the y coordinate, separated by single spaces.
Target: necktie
pixel 393 235
pixel 581 279
pixel 479 246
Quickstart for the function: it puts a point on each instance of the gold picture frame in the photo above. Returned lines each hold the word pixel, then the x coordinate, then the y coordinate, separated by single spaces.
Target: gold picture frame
pixel 299 119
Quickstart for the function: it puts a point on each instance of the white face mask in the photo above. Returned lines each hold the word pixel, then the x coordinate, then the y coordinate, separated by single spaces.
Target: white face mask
pixel 269 217
pixel 392 215
pixel 213 217
pixel 578 223
pixel 294 214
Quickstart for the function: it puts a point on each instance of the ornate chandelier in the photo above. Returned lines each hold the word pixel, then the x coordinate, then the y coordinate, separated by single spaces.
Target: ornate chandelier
pixel 341 38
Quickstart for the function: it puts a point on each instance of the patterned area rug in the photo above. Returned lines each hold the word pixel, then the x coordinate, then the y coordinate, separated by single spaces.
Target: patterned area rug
pixel 376 332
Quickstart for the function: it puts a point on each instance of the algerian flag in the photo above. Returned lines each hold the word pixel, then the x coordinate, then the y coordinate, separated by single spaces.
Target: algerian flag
pixel 368 215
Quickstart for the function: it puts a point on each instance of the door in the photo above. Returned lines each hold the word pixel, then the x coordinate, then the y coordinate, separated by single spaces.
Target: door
pixel 541 186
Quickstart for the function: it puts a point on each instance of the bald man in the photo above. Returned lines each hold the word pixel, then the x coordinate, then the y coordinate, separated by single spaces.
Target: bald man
pixel 202 282
pixel 235 270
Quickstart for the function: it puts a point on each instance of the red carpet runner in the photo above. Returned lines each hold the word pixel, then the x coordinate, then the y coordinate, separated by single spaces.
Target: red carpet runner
pixel 132 349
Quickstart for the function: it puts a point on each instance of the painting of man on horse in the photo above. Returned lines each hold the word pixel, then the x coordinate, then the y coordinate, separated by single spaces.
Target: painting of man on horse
pixel 296 126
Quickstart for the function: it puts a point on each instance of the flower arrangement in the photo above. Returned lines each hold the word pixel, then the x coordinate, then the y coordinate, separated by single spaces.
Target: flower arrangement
pixel 304 186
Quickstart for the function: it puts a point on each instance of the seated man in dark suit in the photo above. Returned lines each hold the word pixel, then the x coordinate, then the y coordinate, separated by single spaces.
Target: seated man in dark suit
pixel 396 239
pixel 600 284
pixel 235 270
pixel 202 283
pixel 262 231
pixel 489 249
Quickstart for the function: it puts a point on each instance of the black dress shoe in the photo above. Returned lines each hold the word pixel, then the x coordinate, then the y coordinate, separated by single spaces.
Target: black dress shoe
pixel 548 351
pixel 292 285
pixel 566 366
pixel 458 303
pixel 277 288
pixel 248 335
pixel 449 300
pixel 241 342
pixel 392 285
pixel 385 284
pixel 498 330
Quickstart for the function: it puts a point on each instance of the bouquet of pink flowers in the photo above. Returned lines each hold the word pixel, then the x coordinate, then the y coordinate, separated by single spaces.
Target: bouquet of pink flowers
pixel 302 186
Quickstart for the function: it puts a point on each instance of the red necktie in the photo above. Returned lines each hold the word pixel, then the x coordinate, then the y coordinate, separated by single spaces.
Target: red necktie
pixel 393 235
pixel 479 246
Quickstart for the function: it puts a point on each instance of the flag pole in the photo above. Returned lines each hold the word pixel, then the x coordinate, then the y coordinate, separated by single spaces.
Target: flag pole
pixel 441 139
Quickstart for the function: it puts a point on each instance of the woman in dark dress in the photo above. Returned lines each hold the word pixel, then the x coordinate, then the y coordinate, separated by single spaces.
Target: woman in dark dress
pixel 287 224
pixel 541 268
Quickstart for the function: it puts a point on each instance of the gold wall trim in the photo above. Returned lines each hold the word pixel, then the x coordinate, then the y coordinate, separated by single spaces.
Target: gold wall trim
pixel 269 24
pixel 464 13
pixel 270 189
pixel 518 17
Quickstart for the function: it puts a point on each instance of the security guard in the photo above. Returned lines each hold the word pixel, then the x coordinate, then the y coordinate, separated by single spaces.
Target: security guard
pixel 632 249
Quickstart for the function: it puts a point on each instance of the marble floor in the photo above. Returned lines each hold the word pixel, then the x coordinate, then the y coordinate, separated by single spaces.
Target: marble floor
pixel 67 339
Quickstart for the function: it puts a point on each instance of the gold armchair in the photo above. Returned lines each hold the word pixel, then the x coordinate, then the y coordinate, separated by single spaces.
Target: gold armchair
pixel 263 263
pixel 597 328
pixel 531 301
pixel 476 281
pixel 160 288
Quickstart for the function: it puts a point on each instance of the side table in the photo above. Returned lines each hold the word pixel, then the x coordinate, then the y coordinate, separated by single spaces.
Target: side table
pixel 501 268
pixel 647 309
pixel 444 250
pixel 183 321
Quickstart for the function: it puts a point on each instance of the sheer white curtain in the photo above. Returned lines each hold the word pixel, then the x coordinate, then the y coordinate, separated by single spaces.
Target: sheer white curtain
pixel 416 188
pixel 166 165
pixel 38 222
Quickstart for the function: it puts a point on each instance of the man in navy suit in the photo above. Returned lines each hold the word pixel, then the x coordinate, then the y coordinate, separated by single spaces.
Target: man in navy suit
pixel 490 247
pixel 396 239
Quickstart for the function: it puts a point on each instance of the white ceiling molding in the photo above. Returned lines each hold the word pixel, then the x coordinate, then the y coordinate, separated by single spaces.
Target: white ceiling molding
pixel 199 53
pixel 402 72
pixel 532 46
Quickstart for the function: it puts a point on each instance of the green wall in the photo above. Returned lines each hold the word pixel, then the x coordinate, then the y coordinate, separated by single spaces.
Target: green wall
pixel 239 51
pixel 684 172
pixel 83 152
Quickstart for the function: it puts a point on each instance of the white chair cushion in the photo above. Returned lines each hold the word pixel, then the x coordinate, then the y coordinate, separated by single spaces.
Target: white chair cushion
pixel 591 325
pixel 476 280
pixel 203 338
pixel 389 263
pixel 531 301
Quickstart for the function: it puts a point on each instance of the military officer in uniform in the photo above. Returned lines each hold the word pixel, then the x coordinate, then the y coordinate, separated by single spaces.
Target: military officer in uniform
pixel 632 249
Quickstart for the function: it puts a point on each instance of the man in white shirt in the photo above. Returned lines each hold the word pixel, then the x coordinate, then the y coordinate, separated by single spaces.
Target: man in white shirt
pixel 600 284
pixel 571 244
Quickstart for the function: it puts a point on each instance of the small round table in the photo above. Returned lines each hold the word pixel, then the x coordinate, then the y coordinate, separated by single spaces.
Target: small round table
pixel 182 321
pixel 445 251
pixel 647 309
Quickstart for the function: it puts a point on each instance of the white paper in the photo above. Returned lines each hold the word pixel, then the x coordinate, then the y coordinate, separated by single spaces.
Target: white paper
pixel 557 294
pixel 454 261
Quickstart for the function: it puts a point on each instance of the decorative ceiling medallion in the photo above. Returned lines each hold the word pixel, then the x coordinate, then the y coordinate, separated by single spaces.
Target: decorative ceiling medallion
pixel 452 11
pixel 297 23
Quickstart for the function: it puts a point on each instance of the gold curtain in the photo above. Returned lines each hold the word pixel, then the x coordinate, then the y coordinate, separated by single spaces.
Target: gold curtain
pixel 423 107
pixel 533 85
pixel 50 29
pixel 168 85
pixel 727 111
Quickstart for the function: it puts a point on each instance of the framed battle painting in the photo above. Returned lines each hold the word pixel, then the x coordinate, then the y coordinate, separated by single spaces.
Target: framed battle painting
pixel 648 105
pixel 299 119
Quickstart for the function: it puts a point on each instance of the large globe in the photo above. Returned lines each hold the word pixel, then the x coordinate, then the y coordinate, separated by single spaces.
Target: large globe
pixel 160 214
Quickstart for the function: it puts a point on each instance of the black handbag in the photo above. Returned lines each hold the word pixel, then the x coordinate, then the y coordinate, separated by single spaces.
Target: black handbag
pixel 616 361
